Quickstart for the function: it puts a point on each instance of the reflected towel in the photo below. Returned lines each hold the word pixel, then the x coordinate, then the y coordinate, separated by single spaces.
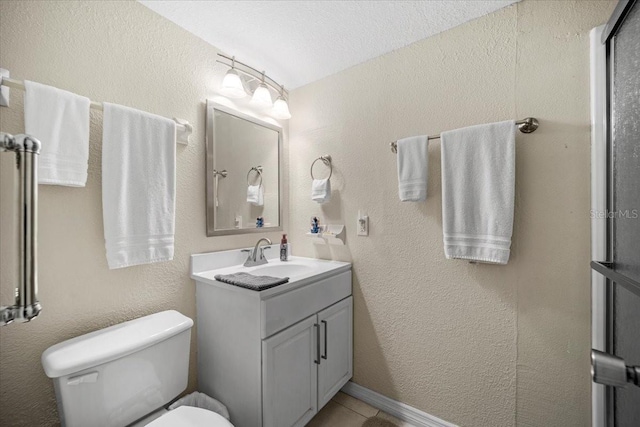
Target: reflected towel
pixel 60 120
pixel 413 161
pixel 478 187
pixel 321 190
pixel 249 281
pixel 255 195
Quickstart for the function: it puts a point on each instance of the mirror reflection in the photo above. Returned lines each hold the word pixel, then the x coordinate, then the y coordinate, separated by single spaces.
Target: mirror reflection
pixel 243 176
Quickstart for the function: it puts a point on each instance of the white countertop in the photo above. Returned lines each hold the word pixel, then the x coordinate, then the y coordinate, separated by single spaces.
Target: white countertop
pixel 301 271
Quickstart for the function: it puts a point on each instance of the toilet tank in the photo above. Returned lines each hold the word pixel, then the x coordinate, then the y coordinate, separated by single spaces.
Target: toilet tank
pixel 117 375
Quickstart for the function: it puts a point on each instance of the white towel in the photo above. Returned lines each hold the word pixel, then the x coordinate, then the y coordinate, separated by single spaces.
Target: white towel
pixel 413 170
pixel 321 190
pixel 60 120
pixel 255 195
pixel 138 186
pixel 478 187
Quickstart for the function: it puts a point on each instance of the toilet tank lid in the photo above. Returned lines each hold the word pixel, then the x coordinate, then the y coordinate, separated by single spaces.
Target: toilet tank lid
pixel 114 342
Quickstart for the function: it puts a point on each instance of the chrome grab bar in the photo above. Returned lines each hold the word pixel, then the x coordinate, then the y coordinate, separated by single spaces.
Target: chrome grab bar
pixel 26 305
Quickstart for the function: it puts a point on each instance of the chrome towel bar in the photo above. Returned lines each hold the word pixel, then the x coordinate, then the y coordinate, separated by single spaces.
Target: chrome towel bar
pixel 183 128
pixel 26 305
pixel 528 125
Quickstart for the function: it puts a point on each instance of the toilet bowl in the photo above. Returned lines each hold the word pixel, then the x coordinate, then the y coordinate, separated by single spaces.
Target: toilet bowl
pixel 126 373
pixel 188 416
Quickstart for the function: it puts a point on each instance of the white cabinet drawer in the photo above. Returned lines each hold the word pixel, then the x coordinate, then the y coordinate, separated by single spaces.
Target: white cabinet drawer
pixel 286 309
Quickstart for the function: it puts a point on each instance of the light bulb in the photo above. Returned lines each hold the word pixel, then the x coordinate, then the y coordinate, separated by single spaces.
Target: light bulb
pixel 232 85
pixel 281 109
pixel 262 97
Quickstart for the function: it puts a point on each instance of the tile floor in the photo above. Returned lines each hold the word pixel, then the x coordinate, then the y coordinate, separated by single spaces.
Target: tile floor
pixel 346 411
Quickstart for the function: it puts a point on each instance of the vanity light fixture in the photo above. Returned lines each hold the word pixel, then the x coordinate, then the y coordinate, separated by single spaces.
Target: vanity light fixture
pixel 261 96
pixel 242 78
pixel 232 86
pixel 281 108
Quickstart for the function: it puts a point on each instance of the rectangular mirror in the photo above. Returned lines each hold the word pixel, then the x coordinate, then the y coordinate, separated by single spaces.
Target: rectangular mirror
pixel 243 172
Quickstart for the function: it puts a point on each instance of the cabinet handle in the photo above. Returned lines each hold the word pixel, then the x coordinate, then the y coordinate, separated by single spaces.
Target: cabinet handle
pixel 317 360
pixel 324 356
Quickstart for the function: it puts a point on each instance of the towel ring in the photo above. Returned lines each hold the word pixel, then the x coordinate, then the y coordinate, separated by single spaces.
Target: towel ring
pixel 326 159
pixel 258 169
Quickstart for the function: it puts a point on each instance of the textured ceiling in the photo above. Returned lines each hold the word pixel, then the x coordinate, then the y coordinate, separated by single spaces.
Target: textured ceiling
pixel 298 42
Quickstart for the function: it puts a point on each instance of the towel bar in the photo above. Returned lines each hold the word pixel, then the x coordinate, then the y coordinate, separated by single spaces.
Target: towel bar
pixel 183 128
pixel 26 305
pixel 528 125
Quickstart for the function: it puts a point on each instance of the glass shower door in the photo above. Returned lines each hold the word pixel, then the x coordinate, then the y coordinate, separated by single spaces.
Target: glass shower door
pixel 625 251
pixel 622 301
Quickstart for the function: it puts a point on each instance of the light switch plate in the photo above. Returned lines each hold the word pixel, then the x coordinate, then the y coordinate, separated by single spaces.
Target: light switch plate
pixel 363 225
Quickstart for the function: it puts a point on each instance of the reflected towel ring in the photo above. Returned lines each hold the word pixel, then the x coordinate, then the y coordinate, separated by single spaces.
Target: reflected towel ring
pixel 258 169
pixel 326 159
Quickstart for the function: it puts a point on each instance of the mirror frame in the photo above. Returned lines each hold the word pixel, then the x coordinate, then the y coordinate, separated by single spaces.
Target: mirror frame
pixel 210 188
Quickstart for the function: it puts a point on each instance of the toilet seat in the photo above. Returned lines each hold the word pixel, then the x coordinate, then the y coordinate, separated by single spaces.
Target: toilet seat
pixel 188 416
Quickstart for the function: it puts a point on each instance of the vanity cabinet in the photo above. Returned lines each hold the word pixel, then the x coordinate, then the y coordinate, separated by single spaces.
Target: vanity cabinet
pixel 305 365
pixel 277 356
pixel 336 364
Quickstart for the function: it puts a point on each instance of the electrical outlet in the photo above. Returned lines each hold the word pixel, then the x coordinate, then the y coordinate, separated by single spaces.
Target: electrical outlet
pixel 363 225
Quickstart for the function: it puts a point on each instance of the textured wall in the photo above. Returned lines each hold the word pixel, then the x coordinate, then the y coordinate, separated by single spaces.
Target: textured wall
pixel 478 345
pixel 109 51
pixel 300 43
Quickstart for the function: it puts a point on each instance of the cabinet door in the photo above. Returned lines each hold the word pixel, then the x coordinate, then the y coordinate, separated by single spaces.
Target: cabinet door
pixel 290 375
pixel 336 344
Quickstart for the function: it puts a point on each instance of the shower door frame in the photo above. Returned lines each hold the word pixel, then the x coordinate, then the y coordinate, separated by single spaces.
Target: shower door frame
pixel 602 193
pixel 599 416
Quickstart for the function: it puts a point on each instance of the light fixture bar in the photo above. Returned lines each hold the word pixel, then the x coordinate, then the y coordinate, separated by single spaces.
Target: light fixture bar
pixel 252 72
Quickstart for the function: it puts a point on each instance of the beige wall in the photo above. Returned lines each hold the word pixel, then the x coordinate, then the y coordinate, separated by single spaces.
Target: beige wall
pixel 109 51
pixel 478 345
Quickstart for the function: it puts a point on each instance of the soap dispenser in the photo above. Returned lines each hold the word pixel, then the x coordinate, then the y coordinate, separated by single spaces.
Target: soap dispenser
pixel 284 248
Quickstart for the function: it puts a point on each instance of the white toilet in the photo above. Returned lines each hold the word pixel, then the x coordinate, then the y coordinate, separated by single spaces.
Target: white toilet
pixel 127 373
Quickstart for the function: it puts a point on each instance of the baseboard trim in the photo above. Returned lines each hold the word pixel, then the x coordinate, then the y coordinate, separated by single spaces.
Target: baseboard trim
pixel 393 407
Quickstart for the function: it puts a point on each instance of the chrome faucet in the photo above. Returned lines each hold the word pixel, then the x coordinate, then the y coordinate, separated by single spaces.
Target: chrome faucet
pixel 254 259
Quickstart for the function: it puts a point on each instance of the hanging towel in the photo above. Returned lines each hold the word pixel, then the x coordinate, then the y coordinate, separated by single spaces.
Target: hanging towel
pixel 60 120
pixel 413 160
pixel 478 186
pixel 138 186
pixel 255 195
pixel 321 190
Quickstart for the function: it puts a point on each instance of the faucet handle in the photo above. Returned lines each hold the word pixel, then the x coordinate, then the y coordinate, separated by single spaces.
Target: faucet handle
pixel 262 248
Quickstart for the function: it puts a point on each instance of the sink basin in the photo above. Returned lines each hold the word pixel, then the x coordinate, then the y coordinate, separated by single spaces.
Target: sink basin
pixel 283 269
pixel 300 271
